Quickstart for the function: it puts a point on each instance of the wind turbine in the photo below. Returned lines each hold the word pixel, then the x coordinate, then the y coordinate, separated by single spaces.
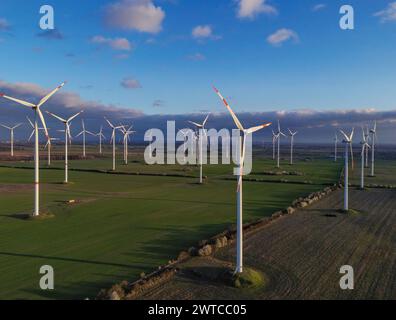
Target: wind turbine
pixel 11 136
pixel 83 132
pixel 126 134
pixel 278 134
pixel 291 134
pixel 348 142
pixel 367 138
pixel 274 137
pixel 113 139
pixel 201 129
pixel 67 123
pixel 48 145
pixel 32 125
pixel 335 146
pixel 100 135
pixel 242 145
pixel 365 146
pixel 373 137
pixel 38 114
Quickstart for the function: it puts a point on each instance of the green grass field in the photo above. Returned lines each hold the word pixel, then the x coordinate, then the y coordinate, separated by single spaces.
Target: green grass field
pixel 123 225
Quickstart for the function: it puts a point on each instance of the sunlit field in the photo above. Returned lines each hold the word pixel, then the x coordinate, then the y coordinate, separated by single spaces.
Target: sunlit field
pixel 130 221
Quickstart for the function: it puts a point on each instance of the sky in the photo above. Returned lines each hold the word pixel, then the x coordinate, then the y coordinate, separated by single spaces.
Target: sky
pixel 149 59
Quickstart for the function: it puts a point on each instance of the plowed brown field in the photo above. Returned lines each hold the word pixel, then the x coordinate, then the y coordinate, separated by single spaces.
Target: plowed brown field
pixel 301 254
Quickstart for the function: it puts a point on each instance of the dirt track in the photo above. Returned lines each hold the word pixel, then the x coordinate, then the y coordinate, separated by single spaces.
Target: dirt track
pixel 301 254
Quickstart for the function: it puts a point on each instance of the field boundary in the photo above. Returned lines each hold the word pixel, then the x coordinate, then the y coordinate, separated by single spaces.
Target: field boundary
pixel 133 290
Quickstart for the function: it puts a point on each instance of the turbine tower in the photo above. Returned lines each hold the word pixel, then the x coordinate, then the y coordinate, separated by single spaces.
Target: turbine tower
pixel 126 134
pixel 278 135
pixel 11 136
pixel 367 138
pixel 38 115
pixel 335 146
pixel 365 147
pixel 348 142
pixel 48 146
pixel 32 125
pixel 67 123
pixel 242 146
pixel 274 137
pixel 291 135
pixel 373 137
pixel 201 129
pixel 113 140
pixel 83 133
pixel 100 135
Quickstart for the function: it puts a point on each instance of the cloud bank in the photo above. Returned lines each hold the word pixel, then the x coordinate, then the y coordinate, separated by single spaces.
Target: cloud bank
pixel 313 125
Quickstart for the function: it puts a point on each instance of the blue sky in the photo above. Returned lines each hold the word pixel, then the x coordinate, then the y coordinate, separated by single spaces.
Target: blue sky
pixel 325 68
pixel 272 59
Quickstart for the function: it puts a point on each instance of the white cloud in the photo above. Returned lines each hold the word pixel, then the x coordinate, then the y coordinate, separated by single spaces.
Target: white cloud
pixel 196 57
pixel 4 25
pixel 319 7
pixel 202 32
pixel 130 83
pixel 282 35
pixel 138 15
pixel 388 14
pixel 114 43
pixel 251 8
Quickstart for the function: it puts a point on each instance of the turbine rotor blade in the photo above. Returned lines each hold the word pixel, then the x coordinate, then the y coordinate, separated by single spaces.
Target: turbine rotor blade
pixel 206 119
pixel 43 100
pixel 24 103
pixel 73 117
pixel 43 122
pixel 254 129
pixel 109 122
pixel 30 121
pixel 345 136
pixel 55 116
pixel 236 120
pixel 31 135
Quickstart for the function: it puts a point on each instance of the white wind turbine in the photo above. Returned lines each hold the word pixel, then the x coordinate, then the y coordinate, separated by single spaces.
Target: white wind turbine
pixel 83 133
pixel 373 137
pixel 101 136
pixel 365 147
pixel 201 130
pixel 291 134
pixel 348 143
pixel 367 138
pixel 242 146
pixel 48 145
pixel 278 135
pixel 38 114
pixel 113 139
pixel 67 123
pixel 126 134
pixel 11 136
pixel 335 146
pixel 32 125
pixel 274 138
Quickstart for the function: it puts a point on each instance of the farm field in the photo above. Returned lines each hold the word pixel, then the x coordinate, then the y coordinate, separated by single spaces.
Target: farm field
pixel 122 225
pixel 300 255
